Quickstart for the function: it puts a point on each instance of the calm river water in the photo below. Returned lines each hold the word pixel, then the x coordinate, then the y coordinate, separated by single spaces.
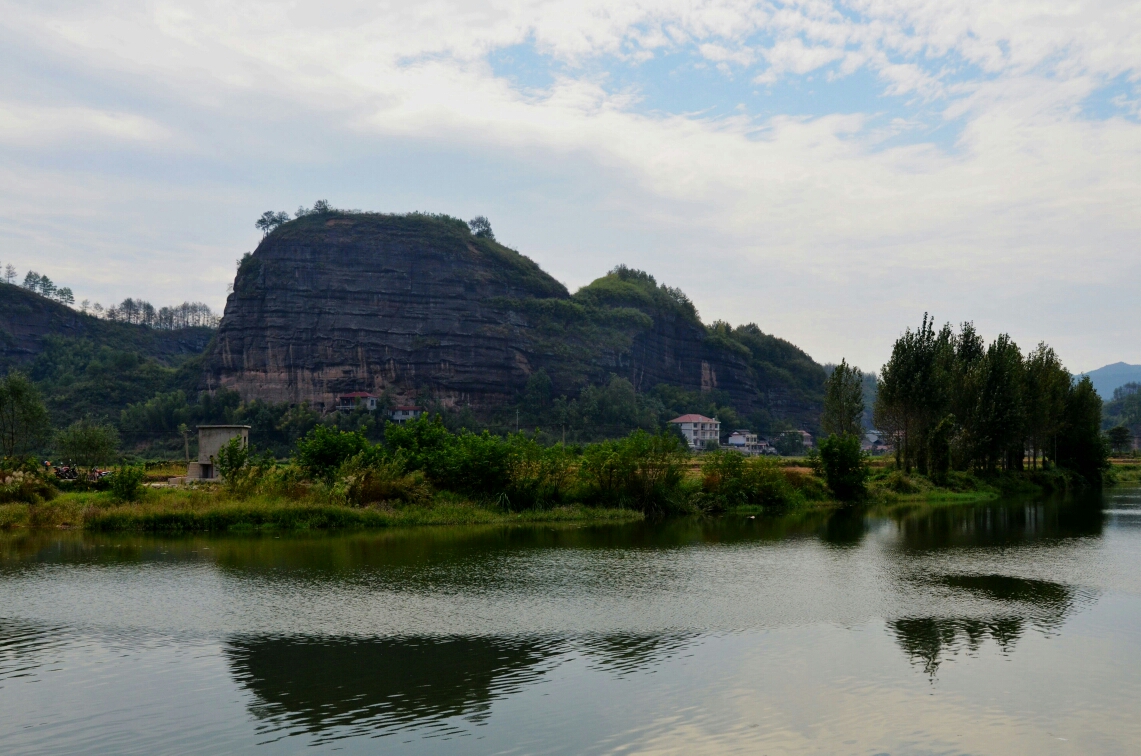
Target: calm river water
pixel 1005 628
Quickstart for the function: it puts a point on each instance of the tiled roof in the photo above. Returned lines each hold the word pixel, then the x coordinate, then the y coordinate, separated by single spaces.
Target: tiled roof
pixel 408 409
pixel 357 395
pixel 693 419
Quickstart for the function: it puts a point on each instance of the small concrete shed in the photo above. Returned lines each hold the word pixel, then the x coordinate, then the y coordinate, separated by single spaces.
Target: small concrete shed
pixel 211 438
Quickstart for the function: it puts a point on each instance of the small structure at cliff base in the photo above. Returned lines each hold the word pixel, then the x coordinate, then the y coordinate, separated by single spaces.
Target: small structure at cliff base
pixel 212 438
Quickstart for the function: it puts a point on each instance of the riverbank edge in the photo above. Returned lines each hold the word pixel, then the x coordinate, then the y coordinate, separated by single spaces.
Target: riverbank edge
pixel 206 511
pixel 209 509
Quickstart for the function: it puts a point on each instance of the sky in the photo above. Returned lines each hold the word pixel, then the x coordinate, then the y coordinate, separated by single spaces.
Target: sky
pixel 827 170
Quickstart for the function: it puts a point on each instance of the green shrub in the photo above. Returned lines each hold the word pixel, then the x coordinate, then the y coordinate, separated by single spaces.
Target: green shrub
pixel 538 476
pixel 323 450
pixel 233 463
pixel 478 465
pixel 642 471
pixel 844 466
pixel 729 479
pixel 127 483
pixel 371 477
pixel 25 484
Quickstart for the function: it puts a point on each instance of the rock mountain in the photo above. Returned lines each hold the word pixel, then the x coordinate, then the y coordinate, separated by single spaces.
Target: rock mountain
pixel 338 302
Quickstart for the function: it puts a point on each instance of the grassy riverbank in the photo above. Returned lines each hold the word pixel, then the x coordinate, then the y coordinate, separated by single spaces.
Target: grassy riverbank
pixel 209 509
pixel 788 485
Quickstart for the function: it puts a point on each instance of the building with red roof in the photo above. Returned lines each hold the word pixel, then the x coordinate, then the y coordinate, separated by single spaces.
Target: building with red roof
pixel 699 430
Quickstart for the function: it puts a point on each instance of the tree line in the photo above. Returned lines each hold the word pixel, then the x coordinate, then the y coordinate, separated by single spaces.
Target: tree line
pixel 949 401
pixel 130 310
pixel 141 312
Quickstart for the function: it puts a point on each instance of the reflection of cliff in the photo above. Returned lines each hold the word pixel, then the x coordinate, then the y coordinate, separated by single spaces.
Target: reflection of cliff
pixel 1019 603
pixel 379 684
pixel 384 684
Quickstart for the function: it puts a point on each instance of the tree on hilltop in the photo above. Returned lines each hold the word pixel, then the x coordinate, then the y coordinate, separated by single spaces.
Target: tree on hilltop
pixel 481 227
pixel 270 220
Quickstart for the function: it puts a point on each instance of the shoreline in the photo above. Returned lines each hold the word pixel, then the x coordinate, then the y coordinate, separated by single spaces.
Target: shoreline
pixel 202 511
pixel 212 510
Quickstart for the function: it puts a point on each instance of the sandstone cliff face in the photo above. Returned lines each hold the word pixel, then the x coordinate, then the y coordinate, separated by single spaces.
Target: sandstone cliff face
pixel 337 303
pixel 334 303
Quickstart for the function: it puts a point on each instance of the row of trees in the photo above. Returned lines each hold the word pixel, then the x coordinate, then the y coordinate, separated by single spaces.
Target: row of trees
pixel 947 401
pixel 141 312
pixel 136 311
pixel 43 285
pixel 269 220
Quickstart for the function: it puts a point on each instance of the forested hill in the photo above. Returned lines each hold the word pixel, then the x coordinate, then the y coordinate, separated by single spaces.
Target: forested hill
pixel 88 366
pixel 29 322
pixel 420 308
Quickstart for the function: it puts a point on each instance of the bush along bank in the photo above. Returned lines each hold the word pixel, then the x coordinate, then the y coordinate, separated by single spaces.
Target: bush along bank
pixel 423 473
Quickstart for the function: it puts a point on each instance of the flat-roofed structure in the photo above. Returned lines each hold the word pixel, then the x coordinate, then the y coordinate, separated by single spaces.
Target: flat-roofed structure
pixel 211 438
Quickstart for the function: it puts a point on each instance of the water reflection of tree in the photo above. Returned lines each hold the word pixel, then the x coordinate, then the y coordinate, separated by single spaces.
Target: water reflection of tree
pixel 624 653
pixel 930 640
pixel 1002 523
pixel 325 684
pixel 1023 603
pixel 25 646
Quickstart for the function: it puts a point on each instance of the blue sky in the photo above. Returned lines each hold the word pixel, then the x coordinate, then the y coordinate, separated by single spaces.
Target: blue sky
pixel 829 171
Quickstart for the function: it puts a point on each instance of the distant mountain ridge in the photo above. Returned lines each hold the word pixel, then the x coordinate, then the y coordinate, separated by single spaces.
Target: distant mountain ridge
pixel 1106 379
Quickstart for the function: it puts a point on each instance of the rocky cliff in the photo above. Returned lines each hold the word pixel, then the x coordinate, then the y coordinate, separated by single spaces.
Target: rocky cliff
pixel 336 302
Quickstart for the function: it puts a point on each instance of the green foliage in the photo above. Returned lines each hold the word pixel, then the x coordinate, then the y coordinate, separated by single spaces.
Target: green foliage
pixel 475 464
pixel 949 402
pixel 539 477
pixel 127 483
pixel 1120 439
pixel 844 466
pixel 843 401
pixel 939 449
pixel 88 444
pixel 729 479
pixel 233 461
pixel 516 472
pixel 481 227
pixel 24 480
pixel 1080 445
pixel 1124 408
pixel 641 471
pixel 627 287
pixel 372 477
pixel 789 444
pixel 24 422
pixel 323 450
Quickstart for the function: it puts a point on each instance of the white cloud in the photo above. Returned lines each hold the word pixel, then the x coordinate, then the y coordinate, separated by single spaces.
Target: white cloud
pixel 23 124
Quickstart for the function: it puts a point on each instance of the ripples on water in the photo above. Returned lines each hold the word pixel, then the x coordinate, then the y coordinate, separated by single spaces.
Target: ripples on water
pixel 999 628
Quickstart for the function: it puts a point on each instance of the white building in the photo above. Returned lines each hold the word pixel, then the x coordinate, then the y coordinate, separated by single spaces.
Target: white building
pixel 698 429
pixel 401 415
pixel 747 443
